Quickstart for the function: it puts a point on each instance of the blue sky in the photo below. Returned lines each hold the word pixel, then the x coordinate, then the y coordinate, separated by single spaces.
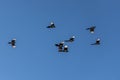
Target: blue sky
pixel 36 57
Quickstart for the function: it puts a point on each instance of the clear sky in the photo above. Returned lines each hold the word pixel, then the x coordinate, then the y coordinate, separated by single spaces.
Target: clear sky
pixel 36 57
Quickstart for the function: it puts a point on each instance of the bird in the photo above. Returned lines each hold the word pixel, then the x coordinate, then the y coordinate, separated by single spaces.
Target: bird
pixel 60 46
pixel 52 25
pixel 13 43
pixel 91 29
pixel 70 39
pixel 65 49
pixel 97 42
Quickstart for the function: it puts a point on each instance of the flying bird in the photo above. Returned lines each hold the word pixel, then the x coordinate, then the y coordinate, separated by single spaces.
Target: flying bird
pixel 52 25
pixel 97 42
pixel 91 29
pixel 12 43
pixel 65 49
pixel 60 46
pixel 70 39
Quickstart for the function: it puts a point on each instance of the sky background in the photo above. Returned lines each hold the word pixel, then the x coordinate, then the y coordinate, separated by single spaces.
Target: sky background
pixel 36 57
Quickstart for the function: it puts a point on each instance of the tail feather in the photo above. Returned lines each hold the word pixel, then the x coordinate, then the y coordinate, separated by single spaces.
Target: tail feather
pixel 9 42
pixel 87 28
pixel 56 45
pixel 93 44
pixel 48 26
pixel 67 40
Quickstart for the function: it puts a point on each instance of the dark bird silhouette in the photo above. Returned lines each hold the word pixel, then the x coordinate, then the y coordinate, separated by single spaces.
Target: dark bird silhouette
pixel 70 39
pixel 52 25
pixel 65 49
pixel 97 42
pixel 60 46
pixel 91 29
pixel 12 43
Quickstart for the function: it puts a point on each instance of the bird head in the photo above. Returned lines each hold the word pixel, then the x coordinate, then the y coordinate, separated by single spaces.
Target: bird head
pixel 14 46
pixel 14 39
pixel 73 36
pixel 98 39
pixel 92 32
pixel 66 46
pixel 51 23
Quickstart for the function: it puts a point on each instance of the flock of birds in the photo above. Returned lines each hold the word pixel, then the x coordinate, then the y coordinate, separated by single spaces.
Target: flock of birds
pixel 64 48
pixel 61 47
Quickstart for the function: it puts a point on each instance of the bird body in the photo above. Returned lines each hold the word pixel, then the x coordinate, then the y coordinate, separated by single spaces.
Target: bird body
pixel 52 25
pixel 91 29
pixel 13 43
pixel 97 42
pixel 70 39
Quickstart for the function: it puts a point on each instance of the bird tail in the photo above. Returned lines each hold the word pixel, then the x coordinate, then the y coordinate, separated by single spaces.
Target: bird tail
pixel 56 45
pixel 87 28
pixel 48 26
pixel 67 40
pixel 9 42
pixel 65 50
pixel 93 44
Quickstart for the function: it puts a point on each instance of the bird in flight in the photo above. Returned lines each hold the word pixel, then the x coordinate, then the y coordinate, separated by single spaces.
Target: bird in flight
pixel 13 43
pixel 70 39
pixel 65 49
pixel 52 25
pixel 91 29
pixel 60 46
pixel 97 42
